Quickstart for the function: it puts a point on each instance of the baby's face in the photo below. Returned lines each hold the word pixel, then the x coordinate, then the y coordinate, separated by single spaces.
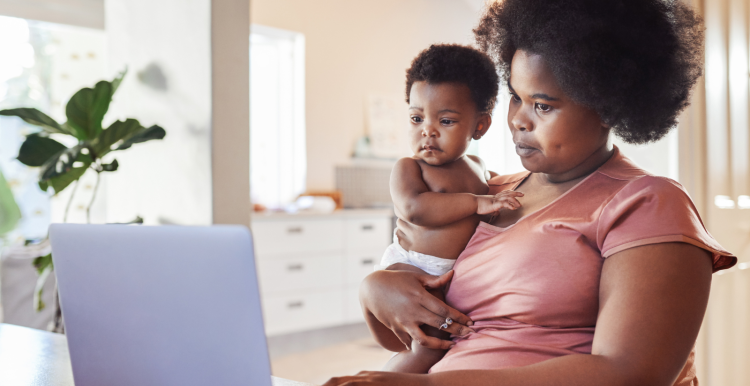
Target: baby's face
pixel 443 118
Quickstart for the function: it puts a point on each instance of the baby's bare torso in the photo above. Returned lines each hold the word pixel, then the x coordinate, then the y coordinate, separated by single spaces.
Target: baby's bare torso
pixel 466 175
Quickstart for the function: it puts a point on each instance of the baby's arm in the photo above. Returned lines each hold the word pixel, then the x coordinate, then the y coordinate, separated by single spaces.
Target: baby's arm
pixel 416 204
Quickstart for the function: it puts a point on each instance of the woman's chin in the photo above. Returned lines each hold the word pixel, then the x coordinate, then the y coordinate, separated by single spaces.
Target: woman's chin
pixel 534 164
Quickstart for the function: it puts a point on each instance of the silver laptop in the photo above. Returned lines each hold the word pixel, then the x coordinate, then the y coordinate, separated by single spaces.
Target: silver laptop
pixel 160 305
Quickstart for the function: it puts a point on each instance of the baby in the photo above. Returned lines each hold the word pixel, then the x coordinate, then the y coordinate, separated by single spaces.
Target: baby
pixel 440 193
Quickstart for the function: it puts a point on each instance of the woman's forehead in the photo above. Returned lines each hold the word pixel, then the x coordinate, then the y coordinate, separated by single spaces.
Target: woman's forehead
pixel 530 74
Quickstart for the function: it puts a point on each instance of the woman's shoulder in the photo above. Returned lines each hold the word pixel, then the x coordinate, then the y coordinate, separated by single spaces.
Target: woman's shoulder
pixel 645 209
pixel 654 187
pixel 627 179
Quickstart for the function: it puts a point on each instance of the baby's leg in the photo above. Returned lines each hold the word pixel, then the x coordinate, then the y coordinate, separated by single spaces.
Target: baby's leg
pixel 419 359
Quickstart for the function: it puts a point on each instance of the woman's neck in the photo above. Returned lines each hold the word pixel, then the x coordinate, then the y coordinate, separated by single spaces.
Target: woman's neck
pixel 588 166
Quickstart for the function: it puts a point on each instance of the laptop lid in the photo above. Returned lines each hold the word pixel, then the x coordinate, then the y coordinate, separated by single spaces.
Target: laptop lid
pixel 161 305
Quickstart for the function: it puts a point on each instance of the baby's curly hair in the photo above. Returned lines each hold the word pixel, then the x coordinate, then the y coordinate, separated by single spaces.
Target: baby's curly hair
pixel 441 63
pixel 632 61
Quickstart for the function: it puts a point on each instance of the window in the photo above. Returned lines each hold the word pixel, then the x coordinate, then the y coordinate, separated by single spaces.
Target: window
pixel 277 116
pixel 496 148
pixel 43 65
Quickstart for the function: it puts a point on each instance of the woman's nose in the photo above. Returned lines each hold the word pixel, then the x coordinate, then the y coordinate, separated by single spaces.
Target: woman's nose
pixel 521 121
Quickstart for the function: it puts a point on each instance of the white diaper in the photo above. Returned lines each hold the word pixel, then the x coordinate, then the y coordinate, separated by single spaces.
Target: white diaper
pixel 395 253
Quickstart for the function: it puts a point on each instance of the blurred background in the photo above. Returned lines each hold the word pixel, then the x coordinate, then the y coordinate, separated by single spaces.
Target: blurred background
pixel 293 132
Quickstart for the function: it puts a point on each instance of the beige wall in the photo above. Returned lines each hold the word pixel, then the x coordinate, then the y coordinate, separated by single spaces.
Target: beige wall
pixel 230 112
pixel 355 48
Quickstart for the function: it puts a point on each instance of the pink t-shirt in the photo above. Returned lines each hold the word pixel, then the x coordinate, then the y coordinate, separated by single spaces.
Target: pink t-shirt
pixel 532 289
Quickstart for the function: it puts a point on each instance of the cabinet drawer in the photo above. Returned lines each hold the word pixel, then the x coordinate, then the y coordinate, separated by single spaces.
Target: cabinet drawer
pixel 307 311
pixel 284 274
pixel 352 309
pixel 361 264
pixel 300 235
pixel 368 233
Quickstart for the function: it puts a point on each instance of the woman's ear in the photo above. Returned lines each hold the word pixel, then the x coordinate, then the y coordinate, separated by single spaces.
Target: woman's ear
pixel 483 124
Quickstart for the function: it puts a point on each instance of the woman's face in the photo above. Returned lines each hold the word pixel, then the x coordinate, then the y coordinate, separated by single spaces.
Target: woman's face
pixel 553 134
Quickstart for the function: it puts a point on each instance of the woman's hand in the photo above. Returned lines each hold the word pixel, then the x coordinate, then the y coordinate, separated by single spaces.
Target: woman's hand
pixel 400 301
pixel 379 378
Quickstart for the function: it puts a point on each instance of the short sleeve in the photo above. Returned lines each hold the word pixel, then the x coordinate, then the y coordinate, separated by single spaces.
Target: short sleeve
pixel 653 210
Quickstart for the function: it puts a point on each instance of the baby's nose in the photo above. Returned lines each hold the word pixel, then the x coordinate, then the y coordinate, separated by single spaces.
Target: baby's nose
pixel 429 131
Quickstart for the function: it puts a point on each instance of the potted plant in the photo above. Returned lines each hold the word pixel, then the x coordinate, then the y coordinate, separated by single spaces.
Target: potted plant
pixel 9 212
pixel 61 166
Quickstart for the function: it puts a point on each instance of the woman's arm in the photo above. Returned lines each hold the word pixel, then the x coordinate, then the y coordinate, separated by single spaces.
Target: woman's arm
pixel 416 204
pixel 652 302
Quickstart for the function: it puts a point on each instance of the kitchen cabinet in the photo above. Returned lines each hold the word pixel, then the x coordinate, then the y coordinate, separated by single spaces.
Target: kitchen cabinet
pixel 310 265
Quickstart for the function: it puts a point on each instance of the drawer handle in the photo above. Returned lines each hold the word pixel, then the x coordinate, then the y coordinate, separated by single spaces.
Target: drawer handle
pixel 293 230
pixel 368 261
pixel 294 267
pixel 297 304
pixel 368 227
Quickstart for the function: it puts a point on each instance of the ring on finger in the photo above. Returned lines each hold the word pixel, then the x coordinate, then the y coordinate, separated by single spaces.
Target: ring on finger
pixel 443 326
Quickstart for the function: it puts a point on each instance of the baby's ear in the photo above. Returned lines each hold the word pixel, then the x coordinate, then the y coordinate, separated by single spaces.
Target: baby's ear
pixel 483 124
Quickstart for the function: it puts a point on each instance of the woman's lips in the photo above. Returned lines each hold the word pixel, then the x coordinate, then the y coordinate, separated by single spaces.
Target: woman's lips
pixel 524 150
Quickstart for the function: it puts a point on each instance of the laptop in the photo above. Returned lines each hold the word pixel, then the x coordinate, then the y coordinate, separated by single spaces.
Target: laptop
pixel 162 306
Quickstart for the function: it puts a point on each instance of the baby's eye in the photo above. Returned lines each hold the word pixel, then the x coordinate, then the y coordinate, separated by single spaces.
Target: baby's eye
pixel 543 108
pixel 416 119
pixel 447 121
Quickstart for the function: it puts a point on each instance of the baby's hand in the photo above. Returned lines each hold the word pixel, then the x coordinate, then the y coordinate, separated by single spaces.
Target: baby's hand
pixel 491 204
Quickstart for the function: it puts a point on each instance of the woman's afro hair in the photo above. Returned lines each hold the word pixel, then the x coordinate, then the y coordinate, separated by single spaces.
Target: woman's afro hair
pixel 632 61
pixel 443 63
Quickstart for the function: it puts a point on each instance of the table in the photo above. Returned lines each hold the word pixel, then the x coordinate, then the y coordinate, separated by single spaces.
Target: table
pixel 30 357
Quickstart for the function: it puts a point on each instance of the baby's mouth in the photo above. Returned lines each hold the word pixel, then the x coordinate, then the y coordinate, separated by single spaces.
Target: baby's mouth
pixel 430 148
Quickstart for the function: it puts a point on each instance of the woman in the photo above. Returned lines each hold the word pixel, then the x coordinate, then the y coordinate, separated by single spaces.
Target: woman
pixel 602 276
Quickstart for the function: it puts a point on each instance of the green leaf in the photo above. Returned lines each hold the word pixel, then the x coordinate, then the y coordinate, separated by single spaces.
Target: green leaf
pixel 73 131
pixel 37 150
pixel 9 211
pixel 110 167
pixel 60 163
pixel 61 182
pixel 116 82
pixel 44 267
pixel 153 132
pixel 42 262
pixel 116 132
pixel 136 220
pixel 36 118
pixel 43 185
pixel 86 109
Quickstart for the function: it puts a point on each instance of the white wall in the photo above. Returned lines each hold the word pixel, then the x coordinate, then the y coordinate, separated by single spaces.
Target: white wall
pixel 82 13
pixel 354 49
pixel 170 180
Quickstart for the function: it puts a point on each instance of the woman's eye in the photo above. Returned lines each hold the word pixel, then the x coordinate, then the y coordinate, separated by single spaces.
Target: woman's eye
pixel 416 119
pixel 515 97
pixel 543 108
